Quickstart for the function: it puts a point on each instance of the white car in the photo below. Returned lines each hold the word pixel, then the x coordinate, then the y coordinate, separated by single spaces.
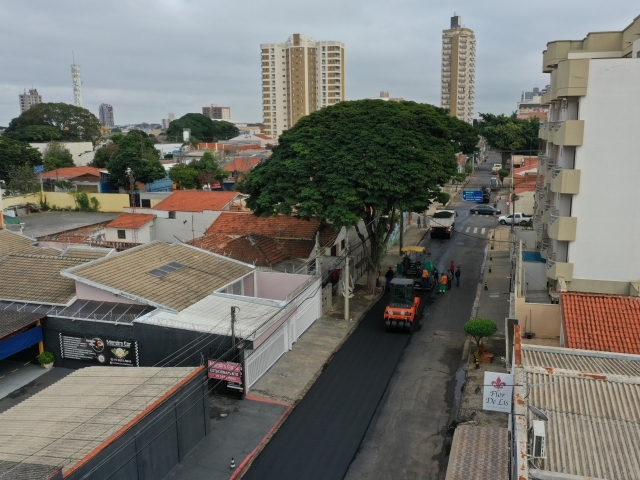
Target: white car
pixel 515 218
pixel 496 167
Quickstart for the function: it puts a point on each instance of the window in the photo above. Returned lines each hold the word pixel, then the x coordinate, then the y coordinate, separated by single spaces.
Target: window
pixel 236 288
pixel 145 203
pixel 122 234
pixel 172 215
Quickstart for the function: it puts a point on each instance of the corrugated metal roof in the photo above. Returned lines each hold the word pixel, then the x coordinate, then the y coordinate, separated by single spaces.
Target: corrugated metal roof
pixel 612 365
pixel 63 423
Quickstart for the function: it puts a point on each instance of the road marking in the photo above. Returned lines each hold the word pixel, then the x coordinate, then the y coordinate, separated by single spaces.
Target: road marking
pixel 467 230
pixel 482 232
pixel 475 230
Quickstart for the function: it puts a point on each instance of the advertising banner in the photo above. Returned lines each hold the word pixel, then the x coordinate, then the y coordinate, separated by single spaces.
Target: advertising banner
pixel 228 371
pixel 105 351
pixel 498 392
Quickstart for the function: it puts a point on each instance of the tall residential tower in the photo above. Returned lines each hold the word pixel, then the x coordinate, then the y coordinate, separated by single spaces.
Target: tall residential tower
pixel 299 77
pixel 105 115
pixel 28 100
pixel 458 70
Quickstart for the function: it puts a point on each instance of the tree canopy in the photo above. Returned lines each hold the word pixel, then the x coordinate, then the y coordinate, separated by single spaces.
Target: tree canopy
pixel 510 134
pixel 14 154
pixel 202 128
pixel 198 173
pixel 137 152
pixel 55 121
pixel 361 160
pixel 479 328
pixel 56 155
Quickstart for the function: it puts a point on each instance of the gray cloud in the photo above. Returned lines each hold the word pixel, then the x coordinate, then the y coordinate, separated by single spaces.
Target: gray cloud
pixel 148 58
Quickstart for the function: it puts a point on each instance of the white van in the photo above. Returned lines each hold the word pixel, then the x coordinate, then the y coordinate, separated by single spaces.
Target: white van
pixel 496 167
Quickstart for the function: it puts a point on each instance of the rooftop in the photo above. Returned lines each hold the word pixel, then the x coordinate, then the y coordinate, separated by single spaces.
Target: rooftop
pixel 85 411
pixel 592 401
pixel 131 220
pixel 254 249
pixel 11 242
pixel 11 321
pixel 72 172
pixel 170 277
pixel 238 224
pixel 37 279
pixel 88 253
pixel 609 323
pixel 196 201
pixel 242 164
pixel 211 241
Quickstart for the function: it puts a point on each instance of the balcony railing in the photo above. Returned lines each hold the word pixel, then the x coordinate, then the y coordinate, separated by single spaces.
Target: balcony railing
pixel 556 171
pixel 551 164
pixel 551 260
pixel 547 205
pixel 543 159
pixel 553 216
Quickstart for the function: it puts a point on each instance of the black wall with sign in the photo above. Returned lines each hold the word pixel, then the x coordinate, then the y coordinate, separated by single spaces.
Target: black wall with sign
pixel 53 326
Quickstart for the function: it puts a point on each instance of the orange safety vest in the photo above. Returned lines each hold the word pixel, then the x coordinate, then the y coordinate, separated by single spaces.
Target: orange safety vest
pixel 425 273
pixel 444 279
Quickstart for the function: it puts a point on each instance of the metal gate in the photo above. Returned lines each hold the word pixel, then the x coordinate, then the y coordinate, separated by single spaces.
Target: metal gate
pixel 265 356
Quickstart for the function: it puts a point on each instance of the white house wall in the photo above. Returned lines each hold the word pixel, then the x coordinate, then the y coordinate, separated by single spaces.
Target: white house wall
pixel 145 234
pixel 606 246
pixel 186 225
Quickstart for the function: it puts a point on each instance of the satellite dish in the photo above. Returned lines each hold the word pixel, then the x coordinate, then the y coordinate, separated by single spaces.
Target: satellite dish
pixel 538 413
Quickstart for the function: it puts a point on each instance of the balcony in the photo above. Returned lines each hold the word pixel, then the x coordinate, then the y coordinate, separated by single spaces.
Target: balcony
pixel 566 181
pixel 569 134
pixel 572 78
pixel 562 228
pixel 557 270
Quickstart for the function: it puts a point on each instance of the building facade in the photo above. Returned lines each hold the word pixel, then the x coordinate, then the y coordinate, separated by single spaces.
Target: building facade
pixel 299 77
pixel 105 115
pixel 215 112
pixel 458 74
pixel 27 100
pixel 589 148
pixel 167 121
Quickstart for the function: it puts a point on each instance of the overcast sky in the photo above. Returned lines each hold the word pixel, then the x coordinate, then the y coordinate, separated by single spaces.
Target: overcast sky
pixel 148 58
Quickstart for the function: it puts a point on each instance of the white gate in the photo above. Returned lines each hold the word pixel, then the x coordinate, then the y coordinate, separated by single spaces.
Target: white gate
pixel 265 356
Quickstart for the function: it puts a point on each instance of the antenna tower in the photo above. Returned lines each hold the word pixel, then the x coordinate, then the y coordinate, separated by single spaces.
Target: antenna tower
pixel 132 196
pixel 76 77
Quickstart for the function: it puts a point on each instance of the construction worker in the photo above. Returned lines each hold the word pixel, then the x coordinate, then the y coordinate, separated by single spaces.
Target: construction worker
pixel 458 276
pixel 443 283
pixel 389 276
pixel 425 278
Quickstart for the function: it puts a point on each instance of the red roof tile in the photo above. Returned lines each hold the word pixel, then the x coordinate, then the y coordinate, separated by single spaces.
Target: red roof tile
pixel 195 201
pixel 258 250
pixel 298 248
pixel 210 242
pixel 238 224
pixel 72 172
pixel 130 220
pixel 262 136
pixel 242 164
pixel 608 323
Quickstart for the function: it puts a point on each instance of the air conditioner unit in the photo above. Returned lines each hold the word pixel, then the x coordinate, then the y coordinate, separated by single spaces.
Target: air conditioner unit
pixel 537 439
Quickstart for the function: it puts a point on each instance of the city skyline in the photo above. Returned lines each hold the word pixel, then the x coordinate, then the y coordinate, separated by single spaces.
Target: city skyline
pixel 391 49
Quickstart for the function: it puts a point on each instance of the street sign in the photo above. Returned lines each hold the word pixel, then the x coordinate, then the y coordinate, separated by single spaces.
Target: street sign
pixel 498 390
pixel 472 196
pixel 38 169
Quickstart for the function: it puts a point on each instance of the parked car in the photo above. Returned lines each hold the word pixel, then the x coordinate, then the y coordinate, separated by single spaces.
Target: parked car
pixel 496 167
pixel 485 210
pixel 515 218
pixel 494 184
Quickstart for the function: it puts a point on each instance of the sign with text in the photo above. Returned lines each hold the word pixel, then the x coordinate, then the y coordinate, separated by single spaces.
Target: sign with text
pixel 472 196
pixel 228 371
pixel 105 351
pixel 498 392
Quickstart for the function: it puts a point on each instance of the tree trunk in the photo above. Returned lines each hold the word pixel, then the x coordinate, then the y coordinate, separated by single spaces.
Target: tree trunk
pixel 505 156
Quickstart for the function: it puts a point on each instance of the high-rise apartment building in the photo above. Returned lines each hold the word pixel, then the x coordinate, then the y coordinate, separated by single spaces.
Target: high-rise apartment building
pixel 105 115
pixel 458 74
pixel 167 121
pixel 214 112
pixel 27 100
pixel 299 77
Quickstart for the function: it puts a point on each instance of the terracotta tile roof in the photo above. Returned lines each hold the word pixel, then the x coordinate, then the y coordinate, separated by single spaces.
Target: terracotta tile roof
pixel 255 249
pixel 131 220
pixel 128 273
pixel 11 242
pixel 195 201
pixel 72 172
pixel 298 248
pixel 238 224
pixel 609 323
pixel 242 164
pixel 36 278
pixel 87 252
pixel 262 136
pixel 210 242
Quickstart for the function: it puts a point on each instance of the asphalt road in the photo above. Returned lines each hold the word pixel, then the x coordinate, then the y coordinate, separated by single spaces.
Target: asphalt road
pixel 325 431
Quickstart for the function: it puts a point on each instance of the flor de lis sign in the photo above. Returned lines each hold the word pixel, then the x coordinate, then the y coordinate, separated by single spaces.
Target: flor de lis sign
pixel 498 391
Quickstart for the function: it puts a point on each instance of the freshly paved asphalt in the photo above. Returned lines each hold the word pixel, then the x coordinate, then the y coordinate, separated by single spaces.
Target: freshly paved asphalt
pixel 325 431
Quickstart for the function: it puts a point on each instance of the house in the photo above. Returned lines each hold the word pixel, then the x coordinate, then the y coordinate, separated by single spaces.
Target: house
pixel 258 138
pixel 85 179
pixel 82 152
pixel 11 242
pixel 254 249
pixel 576 413
pixel 131 228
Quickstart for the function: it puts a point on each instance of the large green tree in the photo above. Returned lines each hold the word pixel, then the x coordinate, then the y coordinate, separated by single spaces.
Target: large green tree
pixel 56 155
pixel 66 123
pixel 509 135
pixel 137 152
pixel 198 173
pixel 202 128
pixel 14 154
pixel 357 164
pixel 23 180
pixel 103 155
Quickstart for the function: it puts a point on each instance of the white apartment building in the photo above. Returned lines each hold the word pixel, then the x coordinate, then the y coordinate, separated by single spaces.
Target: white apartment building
pixel 586 212
pixel 27 100
pixel 458 71
pixel 299 77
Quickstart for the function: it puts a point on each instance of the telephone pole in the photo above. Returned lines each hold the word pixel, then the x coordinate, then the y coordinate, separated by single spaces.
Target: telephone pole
pixel 233 328
pixel 346 279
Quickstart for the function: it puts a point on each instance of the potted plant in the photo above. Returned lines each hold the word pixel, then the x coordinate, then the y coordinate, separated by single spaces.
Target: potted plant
pixel 46 359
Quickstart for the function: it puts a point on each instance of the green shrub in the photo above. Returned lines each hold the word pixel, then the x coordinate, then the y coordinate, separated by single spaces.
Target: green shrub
pixel 45 358
pixel 480 328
